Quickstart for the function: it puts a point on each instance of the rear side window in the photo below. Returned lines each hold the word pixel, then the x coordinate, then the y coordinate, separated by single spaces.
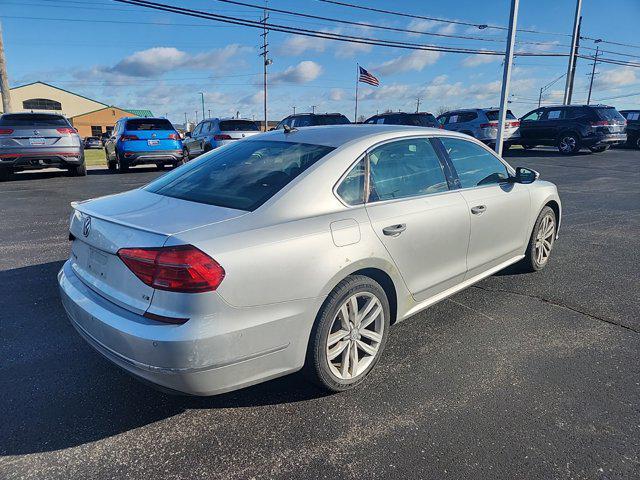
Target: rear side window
pixel 239 126
pixel 332 120
pixel 351 189
pixel 632 115
pixel 242 176
pixel 492 115
pixel 608 113
pixel 467 117
pixel 405 168
pixel 33 119
pixel 475 166
pixel 301 121
pixel 148 124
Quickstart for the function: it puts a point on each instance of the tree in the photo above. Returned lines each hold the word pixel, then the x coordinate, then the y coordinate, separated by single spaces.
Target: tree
pixel 442 109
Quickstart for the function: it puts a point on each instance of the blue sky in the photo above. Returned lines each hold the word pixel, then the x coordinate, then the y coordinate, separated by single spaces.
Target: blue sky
pixel 136 58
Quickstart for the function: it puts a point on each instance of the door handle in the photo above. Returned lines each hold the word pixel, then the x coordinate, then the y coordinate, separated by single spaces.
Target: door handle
pixel 394 230
pixel 478 209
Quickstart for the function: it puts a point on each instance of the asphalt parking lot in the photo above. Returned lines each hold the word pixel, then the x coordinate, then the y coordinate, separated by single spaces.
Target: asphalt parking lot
pixel 521 376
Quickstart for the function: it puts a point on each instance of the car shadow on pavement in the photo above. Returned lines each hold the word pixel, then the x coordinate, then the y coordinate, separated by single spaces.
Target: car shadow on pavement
pixel 57 392
pixel 542 153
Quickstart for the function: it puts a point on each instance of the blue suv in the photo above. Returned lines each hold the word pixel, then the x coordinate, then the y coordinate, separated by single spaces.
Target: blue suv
pixel 138 141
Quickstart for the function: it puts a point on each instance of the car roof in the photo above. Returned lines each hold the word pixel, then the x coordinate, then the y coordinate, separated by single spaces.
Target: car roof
pixel 317 114
pixel 593 105
pixel 340 135
pixel 401 113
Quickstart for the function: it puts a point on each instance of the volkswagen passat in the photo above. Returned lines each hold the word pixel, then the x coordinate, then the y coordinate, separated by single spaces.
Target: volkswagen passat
pixel 296 249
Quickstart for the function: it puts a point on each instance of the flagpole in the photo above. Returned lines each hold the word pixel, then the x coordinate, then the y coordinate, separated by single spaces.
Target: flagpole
pixel 355 119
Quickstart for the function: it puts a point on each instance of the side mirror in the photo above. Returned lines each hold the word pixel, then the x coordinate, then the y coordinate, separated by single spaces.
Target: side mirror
pixel 526 175
pixel 187 134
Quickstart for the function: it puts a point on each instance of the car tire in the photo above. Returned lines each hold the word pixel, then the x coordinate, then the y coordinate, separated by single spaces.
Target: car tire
pixel 599 149
pixel 6 174
pixel 542 239
pixel 638 142
pixel 356 350
pixel 78 171
pixel 569 144
pixel 527 146
pixel 185 155
pixel 159 166
pixel 179 162
pixel 122 164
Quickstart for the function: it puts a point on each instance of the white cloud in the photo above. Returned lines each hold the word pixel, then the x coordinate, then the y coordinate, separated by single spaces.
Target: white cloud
pixel 480 59
pixel 337 94
pixel 415 61
pixel 386 92
pixel 617 77
pixel 296 45
pixel 430 26
pixel 304 72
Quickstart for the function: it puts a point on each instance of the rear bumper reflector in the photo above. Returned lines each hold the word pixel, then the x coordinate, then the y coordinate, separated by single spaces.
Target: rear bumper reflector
pixel 163 319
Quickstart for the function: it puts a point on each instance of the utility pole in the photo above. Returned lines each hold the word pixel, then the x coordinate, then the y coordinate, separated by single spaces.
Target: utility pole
pixel 202 98
pixel 417 104
pixel 294 109
pixel 185 120
pixel 575 42
pixel 4 81
pixel 593 74
pixel 196 116
pixel 506 75
pixel 540 98
pixel 313 108
pixel 209 112
pixel 266 62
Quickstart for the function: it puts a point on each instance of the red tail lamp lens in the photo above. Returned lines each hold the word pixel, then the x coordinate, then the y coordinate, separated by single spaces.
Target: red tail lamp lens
pixel 182 268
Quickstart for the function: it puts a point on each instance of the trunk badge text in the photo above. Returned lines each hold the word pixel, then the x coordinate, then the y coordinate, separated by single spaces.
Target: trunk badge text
pixel 86 226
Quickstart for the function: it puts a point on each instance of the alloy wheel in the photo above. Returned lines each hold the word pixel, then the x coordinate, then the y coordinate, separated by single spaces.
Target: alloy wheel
pixel 544 239
pixel 568 144
pixel 355 336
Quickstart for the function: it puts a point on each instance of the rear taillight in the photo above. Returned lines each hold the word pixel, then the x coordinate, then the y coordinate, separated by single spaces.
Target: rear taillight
pixel 223 136
pixel 6 131
pixel 599 123
pixel 489 125
pixel 183 268
pixel 126 138
pixel 441 126
pixel 174 136
pixel 66 130
pixel 514 124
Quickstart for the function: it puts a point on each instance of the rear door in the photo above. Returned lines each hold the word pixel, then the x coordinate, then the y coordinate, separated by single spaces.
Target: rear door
pixel 498 210
pixel 423 225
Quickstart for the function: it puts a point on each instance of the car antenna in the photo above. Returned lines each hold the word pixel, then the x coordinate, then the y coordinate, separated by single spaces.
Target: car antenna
pixel 288 129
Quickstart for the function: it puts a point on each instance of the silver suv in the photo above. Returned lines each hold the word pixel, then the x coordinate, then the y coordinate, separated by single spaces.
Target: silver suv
pixel 214 132
pixel 481 123
pixel 32 141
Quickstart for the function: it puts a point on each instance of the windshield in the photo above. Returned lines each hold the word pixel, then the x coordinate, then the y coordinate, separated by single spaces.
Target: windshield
pixel 332 120
pixel 609 113
pixel 492 115
pixel 148 124
pixel 238 126
pixel 242 175
pixel 32 119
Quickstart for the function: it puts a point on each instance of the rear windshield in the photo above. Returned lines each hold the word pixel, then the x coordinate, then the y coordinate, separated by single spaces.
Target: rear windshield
pixel 242 175
pixel 239 126
pixel 332 120
pixel 414 120
pixel 608 113
pixel 492 115
pixel 33 119
pixel 149 124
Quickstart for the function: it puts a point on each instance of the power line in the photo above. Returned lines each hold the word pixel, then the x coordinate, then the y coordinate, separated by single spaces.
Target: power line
pixel 325 35
pixel 480 26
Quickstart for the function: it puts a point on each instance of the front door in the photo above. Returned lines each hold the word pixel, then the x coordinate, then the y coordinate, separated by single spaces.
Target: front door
pixel 498 210
pixel 531 127
pixel 423 225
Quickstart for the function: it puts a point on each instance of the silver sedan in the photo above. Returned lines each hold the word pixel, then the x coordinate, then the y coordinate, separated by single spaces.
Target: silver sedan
pixel 296 249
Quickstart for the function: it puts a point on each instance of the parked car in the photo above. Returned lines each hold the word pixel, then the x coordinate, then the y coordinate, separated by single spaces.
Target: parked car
pixel 482 123
pixel 572 127
pixel 32 141
pixel 312 119
pixel 92 142
pixel 214 132
pixel 139 141
pixel 633 127
pixel 277 252
pixel 421 119
pixel 105 136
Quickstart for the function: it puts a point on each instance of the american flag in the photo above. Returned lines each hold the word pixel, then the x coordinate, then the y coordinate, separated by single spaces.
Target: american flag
pixel 366 77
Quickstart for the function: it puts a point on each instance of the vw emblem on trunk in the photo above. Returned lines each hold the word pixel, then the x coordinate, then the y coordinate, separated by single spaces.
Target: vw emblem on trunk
pixel 243 135
pixel 86 226
pixel 36 132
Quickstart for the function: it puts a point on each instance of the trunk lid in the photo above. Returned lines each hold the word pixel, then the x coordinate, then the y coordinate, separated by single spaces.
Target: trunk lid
pixel 132 219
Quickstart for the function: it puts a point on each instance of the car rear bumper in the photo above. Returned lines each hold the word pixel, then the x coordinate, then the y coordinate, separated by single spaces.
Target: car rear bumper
pixel 225 351
pixel 610 139
pixel 155 156
pixel 37 158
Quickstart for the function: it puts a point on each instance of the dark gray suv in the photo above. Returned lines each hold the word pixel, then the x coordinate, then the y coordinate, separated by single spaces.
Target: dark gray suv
pixel 32 141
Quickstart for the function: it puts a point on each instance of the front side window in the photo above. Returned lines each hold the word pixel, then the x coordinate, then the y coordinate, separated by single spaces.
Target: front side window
pixel 475 165
pixel 405 168
pixel 351 189
pixel 533 116
pixel 242 175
